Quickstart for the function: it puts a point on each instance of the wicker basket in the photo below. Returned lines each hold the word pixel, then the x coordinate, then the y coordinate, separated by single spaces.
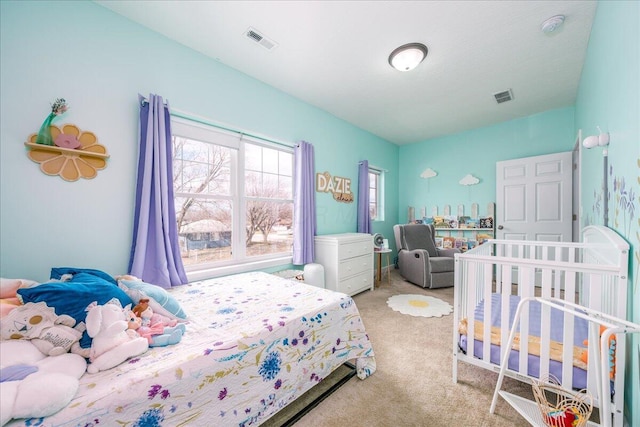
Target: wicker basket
pixel 560 407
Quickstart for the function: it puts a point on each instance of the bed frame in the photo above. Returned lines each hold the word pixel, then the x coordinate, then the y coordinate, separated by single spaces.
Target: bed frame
pixel 591 274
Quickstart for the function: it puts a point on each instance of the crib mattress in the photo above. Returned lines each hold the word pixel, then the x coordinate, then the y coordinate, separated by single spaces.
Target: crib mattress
pixel 533 365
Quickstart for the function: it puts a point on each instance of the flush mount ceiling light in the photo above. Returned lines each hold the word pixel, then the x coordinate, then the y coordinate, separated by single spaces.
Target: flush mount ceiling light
pixel 552 24
pixel 408 56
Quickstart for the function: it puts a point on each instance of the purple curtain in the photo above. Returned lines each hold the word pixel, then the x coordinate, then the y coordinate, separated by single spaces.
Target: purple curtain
pixel 364 217
pixel 304 204
pixel 155 253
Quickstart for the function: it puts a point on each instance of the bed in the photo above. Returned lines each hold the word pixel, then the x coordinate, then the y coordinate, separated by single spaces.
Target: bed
pixel 254 343
pixel 549 341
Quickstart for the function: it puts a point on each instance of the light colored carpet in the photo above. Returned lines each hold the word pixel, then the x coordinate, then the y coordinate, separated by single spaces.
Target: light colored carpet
pixel 413 385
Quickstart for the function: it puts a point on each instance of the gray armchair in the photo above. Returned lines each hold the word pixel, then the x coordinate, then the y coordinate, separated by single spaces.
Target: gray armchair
pixel 419 260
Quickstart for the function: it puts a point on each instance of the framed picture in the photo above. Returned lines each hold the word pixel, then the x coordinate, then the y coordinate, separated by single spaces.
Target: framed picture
pixel 439 242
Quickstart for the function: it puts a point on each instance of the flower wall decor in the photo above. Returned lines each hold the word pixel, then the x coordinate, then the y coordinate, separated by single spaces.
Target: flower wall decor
pixel 68 151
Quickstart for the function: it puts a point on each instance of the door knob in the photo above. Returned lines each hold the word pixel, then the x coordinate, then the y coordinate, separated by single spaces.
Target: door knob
pixel 500 227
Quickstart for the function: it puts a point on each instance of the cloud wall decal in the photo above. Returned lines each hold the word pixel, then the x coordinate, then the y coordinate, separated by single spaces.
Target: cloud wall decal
pixel 428 173
pixel 469 180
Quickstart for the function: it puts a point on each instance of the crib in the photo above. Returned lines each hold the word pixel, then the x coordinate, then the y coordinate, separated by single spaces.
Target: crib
pixel 492 280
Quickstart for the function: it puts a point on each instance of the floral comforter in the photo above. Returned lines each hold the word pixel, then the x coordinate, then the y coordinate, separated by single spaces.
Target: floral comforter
pixel 254 343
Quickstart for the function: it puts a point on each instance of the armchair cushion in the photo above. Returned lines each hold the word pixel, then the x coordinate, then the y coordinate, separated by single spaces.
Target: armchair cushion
pixel 418 236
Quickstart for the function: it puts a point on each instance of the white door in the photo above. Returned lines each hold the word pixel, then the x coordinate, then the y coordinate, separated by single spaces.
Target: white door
pixel 534 198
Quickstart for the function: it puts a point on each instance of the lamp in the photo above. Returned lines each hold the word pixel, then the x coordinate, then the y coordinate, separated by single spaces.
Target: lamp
pixel 408 56
pixel 596 140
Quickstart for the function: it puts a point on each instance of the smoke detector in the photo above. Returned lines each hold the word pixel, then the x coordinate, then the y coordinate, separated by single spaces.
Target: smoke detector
pixel 552 24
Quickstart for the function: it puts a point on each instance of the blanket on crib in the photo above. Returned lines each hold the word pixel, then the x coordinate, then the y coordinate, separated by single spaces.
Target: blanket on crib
pixel 555 347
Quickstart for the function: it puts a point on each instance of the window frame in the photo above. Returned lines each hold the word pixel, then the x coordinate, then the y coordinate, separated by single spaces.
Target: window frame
pixel 236 141
pixel 379 172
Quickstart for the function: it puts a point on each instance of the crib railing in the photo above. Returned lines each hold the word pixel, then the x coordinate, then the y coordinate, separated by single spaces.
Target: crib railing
pixel 592 274
pixel 606 328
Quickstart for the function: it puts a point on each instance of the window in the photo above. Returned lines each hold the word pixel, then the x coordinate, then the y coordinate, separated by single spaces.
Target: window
pixel 233 197
pixel 376 195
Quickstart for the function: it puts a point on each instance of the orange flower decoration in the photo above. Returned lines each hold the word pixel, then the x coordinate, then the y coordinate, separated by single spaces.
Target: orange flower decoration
pixel 64 158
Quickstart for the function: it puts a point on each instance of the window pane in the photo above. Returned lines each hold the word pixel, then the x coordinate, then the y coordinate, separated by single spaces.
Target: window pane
pixel 253 157
pixel 285 188
pixel 200 167
pixel 269 227
pixel 285 164
pixel 269 160
pixel 204 229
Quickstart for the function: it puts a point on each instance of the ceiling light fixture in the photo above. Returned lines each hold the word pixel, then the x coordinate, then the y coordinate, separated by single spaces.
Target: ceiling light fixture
pixel 408 56
pixel 552 24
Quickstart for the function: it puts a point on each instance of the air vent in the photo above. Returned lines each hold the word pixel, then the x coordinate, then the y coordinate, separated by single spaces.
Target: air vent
pixel 259 38
pixel 503 96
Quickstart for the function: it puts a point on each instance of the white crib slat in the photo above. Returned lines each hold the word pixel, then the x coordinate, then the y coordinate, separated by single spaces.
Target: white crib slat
pixel 487 315
pixel 471 301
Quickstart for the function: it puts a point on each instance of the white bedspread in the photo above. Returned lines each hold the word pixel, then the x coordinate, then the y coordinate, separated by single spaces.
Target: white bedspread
pixel 254 343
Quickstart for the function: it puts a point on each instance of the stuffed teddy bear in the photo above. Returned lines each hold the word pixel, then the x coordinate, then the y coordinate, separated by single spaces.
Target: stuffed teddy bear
pixel 33 385
pixel 53 335
pixel 111 344
pixel 157 329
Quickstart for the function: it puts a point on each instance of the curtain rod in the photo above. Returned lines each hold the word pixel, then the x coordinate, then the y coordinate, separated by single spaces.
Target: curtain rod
pixel 194 118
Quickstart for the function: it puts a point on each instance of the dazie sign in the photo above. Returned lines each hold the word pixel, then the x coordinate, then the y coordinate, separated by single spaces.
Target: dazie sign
pixel 338 186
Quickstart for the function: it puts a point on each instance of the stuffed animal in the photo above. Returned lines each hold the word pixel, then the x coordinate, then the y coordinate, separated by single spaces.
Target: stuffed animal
pixel 157 329
pixel 33 385
pixel 8 295
pixel 612 353
pixel 53 335
pixel 111 344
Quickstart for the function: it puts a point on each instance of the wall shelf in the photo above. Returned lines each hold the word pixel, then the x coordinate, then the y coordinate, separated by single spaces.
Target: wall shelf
pixel 70 164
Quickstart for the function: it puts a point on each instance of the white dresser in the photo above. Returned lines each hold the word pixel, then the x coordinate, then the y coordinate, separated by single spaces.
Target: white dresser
pixel 348 261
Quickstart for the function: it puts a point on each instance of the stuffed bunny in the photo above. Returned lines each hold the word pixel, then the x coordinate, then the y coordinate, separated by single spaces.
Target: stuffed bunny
pixel 111 344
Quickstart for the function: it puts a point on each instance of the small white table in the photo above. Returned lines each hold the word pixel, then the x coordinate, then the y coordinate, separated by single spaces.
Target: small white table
pixel 379 253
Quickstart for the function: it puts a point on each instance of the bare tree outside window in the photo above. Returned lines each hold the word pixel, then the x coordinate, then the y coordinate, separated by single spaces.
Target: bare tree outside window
pixel 206 215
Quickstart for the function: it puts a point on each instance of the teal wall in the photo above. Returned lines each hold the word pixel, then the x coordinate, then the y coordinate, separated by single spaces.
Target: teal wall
pixel 476 152
pixel 99 62
pixel 609 97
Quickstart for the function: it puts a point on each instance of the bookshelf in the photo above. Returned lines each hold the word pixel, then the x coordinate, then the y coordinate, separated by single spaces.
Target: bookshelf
pixel 476 226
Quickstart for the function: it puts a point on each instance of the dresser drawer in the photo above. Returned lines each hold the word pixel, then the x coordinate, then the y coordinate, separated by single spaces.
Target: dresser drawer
pixel 353 266
pixel 354 249
pixel 355 284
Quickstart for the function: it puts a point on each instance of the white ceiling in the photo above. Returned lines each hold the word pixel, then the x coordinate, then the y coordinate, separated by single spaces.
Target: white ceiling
pixel 334 55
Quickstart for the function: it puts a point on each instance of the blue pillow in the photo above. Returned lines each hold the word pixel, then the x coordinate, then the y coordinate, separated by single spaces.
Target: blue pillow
pixel 58 272
pixel 73 297
pixel 160 300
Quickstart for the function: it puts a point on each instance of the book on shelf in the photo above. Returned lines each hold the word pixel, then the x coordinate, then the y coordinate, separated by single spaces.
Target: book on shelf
pixel 439 242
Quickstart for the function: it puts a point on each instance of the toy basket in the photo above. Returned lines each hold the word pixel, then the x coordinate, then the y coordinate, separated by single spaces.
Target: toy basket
pixel 560 407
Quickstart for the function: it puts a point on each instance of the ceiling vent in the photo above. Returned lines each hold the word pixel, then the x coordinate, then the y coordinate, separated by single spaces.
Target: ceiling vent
pixel 503 96
pixel 259 38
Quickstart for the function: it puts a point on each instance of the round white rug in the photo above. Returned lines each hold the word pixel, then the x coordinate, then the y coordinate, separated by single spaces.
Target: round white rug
pixel 419 305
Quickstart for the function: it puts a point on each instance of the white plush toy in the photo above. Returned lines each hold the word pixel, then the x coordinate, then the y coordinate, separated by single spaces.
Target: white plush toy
pixel 33 385
pixel 111 344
